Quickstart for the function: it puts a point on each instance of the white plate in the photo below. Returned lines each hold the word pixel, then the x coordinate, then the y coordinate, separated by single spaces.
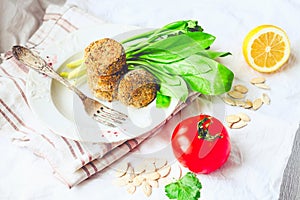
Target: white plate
pixel 62 111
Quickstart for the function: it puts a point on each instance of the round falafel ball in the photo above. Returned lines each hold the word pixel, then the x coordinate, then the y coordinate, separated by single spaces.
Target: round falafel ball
pixel 137 88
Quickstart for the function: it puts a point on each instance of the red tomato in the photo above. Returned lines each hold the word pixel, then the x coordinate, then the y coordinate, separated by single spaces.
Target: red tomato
pixel 201 143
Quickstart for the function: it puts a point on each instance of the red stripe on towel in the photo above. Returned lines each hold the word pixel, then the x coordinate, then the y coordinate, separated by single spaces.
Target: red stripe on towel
pixel 10 76
pixel 9 121
pixel 22 122
pixel 128 145
pixel 12 113
pixel 79 147
pixel 65 24
pixel 86 171
pixel 52 16
pixel 70 147
pixel 20 89
pixel 47 139
pixel 83 152
pixel 94 167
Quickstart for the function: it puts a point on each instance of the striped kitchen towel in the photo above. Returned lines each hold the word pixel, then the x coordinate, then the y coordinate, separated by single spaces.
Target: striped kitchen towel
pixel 72 161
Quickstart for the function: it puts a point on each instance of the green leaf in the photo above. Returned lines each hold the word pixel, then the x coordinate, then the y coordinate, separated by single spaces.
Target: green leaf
pixel 172 190
pixel 140 41
pixel 178 91
pixel 192 65
pixel 213 54
pixel 181 45
pixel 191 181
pixel 162 101
pixel 171 28
pixel 186 188
pixel 182 42
pixel 216 81
pixel 170 85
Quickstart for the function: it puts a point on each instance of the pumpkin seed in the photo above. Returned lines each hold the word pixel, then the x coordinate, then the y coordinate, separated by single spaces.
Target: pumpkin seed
pixel 151 176
pixel 165 171
pixel 238 125
pixel 266 99
pixel 149 168
pixel 147 189
pixel 153 183
pixel 262 86
pixel 229 101
pixel 241 88
pixel 240 103
pixel 138 180
pixel 131 189
pixel 258 80
pixel 121 169
pixel 257 103
pixel 244 117
pixel 160 163
pixel 139 169
pixel 232 118
pixel 235 94
pixel 248 104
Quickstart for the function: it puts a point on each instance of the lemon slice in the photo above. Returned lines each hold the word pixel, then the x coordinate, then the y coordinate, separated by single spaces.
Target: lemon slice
pixel 266 48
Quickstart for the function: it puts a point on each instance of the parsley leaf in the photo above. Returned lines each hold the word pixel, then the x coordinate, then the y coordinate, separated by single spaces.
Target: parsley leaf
pixel 186 188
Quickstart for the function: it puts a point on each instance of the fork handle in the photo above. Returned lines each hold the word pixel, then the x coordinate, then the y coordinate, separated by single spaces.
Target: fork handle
pixel 53 74
pixel 34 61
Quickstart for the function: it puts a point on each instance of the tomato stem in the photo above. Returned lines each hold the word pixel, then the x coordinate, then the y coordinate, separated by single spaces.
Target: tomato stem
pixel 203 132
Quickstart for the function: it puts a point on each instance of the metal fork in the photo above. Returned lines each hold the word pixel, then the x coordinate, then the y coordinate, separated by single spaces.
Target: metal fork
pixel 93 108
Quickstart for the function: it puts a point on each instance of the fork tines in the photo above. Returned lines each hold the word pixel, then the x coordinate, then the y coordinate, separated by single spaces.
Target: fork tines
pixel 109 116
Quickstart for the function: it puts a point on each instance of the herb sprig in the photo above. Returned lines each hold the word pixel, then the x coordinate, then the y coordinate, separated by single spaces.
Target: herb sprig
pixel 186 188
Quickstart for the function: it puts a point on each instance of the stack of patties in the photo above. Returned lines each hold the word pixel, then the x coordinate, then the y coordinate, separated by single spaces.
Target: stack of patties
pixel 105 60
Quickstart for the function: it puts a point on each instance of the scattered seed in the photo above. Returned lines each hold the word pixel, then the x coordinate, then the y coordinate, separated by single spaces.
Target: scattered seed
pixel 147 189
pixel 229 101
pixel 138 180
pixel 153 183
pixel 266 99
pixel 232 118
pixel 241 88
pixel 130 170
pixel 165 171
pixel 121 169
pixel 240 103
pixel 258 80
pixel 147 175
pixel 235 94
pixel 160 163
pixel 244 117
pixel 248 104
pixel 262 86
pixel 149 168
pixel 139 169
pixel 151 176
pixel 238 125
pixel 131 189
pixel 257 103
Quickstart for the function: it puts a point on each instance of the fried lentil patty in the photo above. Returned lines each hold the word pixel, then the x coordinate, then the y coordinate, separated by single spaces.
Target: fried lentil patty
pixel 137 88
pixel 104 57
pixel 105 60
